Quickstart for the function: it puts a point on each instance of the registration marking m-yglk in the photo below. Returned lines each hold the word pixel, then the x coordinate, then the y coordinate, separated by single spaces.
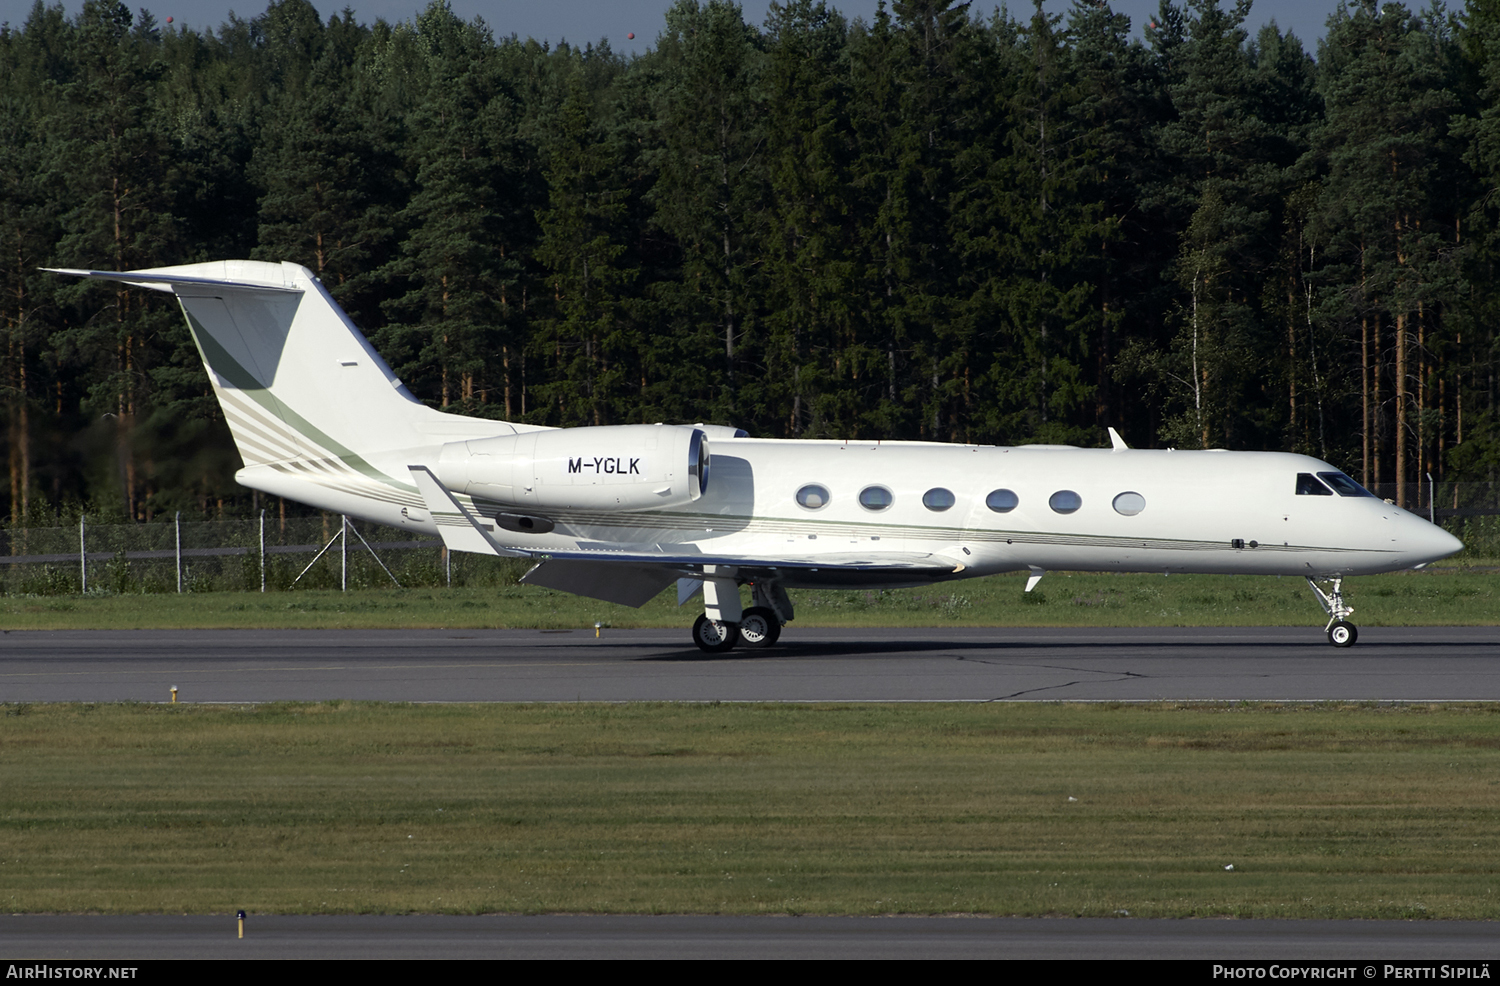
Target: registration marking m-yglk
pixel 606 466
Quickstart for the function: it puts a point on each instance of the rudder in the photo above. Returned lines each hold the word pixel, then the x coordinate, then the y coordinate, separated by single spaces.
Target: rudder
pixel 296 379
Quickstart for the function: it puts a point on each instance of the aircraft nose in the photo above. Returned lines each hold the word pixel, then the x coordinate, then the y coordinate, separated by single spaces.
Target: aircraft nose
pixel 1435 543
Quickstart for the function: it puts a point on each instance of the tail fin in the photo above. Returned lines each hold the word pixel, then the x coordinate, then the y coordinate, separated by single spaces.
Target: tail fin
pixel 296 379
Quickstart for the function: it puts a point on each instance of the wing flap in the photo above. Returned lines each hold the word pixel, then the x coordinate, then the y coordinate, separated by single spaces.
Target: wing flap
pixel 691 563
pixel 626 584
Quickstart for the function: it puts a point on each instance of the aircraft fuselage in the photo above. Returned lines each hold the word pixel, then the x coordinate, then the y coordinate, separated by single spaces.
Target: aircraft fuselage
pixel 1192 511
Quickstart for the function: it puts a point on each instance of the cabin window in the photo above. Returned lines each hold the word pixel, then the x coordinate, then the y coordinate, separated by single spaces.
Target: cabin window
pixel 1002 501
pixel 875 498
pixel 938 499
pixel 1129 504
pixel 1308 485
pixel 1065 501
pixel 1343 485
pixel 812 496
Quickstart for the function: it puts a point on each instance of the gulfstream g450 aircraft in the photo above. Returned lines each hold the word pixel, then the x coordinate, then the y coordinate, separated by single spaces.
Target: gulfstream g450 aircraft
pixel 621 512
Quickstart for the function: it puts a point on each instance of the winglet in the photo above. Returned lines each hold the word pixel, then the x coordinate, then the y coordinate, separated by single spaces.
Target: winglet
pixel 1117 441
pixel 460 529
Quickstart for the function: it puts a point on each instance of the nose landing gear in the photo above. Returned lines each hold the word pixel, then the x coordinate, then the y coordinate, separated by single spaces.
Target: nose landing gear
pixel 1341 633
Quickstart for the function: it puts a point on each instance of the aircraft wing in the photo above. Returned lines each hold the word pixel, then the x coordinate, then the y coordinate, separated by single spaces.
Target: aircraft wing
pixel 634 577
pixel 459 528
pixel 693 563
pixel 632 574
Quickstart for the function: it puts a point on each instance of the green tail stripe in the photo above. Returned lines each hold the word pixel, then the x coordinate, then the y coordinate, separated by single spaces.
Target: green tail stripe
pixel 229 369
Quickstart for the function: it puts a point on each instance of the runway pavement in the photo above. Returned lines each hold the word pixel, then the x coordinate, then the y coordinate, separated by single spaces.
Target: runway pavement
pixel 877 665
pixel 1411 664
pixel 1363 943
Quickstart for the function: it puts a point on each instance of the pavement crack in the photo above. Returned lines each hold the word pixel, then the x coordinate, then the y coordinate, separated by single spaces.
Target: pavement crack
pixel 1058 667
pixel 1067 684
pixel 1105 677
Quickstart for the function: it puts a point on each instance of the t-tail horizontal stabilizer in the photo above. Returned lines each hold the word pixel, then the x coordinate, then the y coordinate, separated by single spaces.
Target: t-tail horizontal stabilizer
pixel 460 529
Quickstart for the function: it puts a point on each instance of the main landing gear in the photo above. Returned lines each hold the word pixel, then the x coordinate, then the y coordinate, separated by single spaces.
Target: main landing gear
pixel 758 627
pixel 714 637
pixel 1341 633
pixel 718 630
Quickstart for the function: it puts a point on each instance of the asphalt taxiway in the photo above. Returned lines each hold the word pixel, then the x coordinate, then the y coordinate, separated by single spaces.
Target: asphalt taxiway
pixel 810 665
pixel 1364 944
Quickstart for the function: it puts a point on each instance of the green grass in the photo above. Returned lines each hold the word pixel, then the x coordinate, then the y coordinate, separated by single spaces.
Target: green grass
pixel 1443 596
pixel 1322 811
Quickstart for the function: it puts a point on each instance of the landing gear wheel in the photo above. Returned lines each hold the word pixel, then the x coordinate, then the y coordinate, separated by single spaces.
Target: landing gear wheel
pixel 759 627
pixel 714 638
pixel 1342 633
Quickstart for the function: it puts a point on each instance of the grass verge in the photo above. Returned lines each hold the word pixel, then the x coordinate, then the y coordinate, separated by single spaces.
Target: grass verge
pixel 1321 811
pixel 1436 597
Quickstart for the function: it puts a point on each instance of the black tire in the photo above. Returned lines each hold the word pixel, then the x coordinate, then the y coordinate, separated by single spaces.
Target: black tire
pixel 759 627
pixel 714 638
pixel 1343 633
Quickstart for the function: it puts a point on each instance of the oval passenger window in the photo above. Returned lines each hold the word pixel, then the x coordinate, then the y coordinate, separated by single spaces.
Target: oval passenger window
pixel 875 498
pixel 1001 501
pixel 812 496
pixel 1065 501
pixel 1129 504
pixel 938 499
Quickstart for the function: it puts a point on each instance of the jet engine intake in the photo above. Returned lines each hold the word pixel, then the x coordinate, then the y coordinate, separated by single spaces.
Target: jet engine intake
pixel 613 467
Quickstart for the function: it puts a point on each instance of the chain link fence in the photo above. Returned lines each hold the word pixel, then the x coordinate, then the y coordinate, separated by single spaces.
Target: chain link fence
pixel 1468 511
pixel 1438 501
pixel 277 555
pixel 273 555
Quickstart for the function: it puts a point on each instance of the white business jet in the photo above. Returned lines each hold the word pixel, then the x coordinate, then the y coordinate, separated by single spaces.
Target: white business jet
pixel 621 512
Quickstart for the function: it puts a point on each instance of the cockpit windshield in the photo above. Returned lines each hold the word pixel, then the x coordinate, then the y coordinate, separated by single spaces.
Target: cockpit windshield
pixel 1343 485
pixel 1308 485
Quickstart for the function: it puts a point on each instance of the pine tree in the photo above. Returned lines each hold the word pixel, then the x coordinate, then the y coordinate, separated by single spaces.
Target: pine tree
pixel 884 231
pixel 29 214
pixel 589 338
pixel 326 159
pixel 1382 145
pixel 1476 350
pixel 120 170
pixel 451 320
pixel 824 371
pixel 708 198
pixel 1025 243
pixel 1116 92
pixel 1222 187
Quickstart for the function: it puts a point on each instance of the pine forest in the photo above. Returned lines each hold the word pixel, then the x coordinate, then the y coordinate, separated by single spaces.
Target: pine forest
pixel 948 224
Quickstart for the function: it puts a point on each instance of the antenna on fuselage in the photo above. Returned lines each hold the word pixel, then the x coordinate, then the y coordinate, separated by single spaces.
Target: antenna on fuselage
pixel 1117 441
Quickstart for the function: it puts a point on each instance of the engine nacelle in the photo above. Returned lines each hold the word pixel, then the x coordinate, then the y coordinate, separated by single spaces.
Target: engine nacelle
pixel 721 431
pixel 614 467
